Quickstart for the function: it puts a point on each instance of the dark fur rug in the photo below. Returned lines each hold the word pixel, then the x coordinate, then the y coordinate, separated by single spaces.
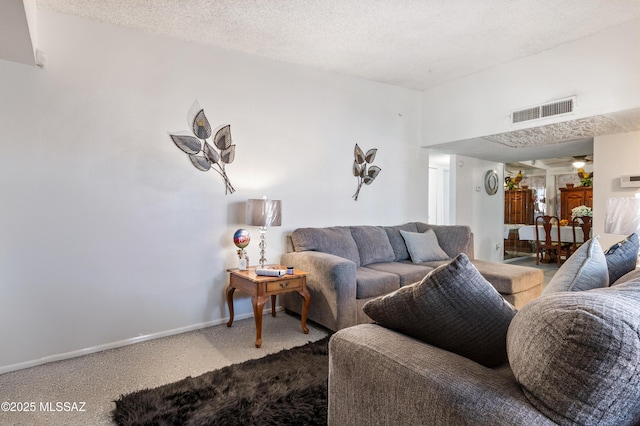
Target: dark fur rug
pixel 285 388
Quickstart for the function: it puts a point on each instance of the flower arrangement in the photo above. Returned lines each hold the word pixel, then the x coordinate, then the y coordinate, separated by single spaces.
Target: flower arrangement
pixel 509 183
pixel 581 211
pixel 513 183
pixel 586 179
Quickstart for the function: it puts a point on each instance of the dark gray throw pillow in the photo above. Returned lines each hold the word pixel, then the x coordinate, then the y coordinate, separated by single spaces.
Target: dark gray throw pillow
pixel 577 355
pixel 453 308
pixel 622 258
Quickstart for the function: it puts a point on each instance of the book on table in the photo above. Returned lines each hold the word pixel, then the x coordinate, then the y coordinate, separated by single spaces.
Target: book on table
pixel 270 272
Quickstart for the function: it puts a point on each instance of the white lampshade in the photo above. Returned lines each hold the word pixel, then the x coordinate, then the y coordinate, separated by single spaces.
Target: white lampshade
pixel 263 212
pixel 622 216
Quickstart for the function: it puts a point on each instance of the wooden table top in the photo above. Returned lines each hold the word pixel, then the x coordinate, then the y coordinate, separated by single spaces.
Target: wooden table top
pixel 250 273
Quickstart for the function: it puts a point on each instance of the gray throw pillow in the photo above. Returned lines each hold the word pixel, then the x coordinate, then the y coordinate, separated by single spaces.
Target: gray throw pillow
pixel 584 270
pixel 453 308
pixel 622 258
pixel 423 247
pixel 577 355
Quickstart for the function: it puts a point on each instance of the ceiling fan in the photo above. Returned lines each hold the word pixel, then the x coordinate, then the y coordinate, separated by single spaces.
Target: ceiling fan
pixel 580 160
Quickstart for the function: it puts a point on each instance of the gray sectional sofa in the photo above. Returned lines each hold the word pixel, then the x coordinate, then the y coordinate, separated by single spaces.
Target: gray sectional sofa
pixel 569 357
pixel 350 265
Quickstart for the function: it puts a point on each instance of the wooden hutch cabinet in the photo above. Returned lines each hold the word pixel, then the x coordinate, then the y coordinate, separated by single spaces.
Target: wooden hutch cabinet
pixel 518 206
pixel 571 198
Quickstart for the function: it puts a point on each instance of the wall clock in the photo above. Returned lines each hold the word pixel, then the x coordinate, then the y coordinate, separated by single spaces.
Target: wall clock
pixel 491 182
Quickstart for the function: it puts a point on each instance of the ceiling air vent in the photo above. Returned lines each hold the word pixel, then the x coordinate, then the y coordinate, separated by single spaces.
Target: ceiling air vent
pixel 526 114
pixel 563 106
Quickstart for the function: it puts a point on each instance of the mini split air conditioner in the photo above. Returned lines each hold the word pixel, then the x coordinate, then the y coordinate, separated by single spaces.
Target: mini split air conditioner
pixel 630 181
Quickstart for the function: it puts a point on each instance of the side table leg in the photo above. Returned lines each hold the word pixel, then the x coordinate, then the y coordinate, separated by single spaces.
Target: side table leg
pixel 305 308
pixel 258 306
pixel 230 290
pixel 273 306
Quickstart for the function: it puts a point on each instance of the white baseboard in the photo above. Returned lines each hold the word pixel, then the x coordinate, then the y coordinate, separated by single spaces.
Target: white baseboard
pixel 121 343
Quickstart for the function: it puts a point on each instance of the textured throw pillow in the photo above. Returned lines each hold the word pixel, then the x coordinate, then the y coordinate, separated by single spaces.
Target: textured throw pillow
pixel 577 355
pixel 453 308
pixel 584 270
pixel 423 247
pixel 622 258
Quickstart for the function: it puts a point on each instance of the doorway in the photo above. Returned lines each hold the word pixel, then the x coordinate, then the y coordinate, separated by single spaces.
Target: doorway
pixel 439 189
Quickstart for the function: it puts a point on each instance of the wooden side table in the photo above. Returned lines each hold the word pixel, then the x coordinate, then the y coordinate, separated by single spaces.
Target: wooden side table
pixel 261 288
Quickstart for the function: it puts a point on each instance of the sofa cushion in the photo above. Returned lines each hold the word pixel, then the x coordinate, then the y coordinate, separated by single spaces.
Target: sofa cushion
pixel 396 240
pixel 453 308
pixel 370 283
pixel 509 279
pixel 631 276
pixel 373 244
pixel 622 258
pixel 423 247
pixel 577 355
pixel 433 264
pixel 409 273
pixel 336 240
pixel 585 269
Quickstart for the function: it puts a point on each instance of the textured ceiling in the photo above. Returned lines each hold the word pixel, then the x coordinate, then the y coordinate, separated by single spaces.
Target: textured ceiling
pixel 416 44
pixel 564 131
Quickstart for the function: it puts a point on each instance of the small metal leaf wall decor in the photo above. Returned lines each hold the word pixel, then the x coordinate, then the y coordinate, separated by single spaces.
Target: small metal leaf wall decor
pixel 209 158
pixel 366 175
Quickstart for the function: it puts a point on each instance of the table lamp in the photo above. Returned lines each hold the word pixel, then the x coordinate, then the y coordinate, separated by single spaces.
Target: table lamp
pixel 263 213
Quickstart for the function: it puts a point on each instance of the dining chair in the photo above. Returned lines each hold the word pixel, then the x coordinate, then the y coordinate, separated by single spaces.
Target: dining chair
pixel 585 223
pixel 547 245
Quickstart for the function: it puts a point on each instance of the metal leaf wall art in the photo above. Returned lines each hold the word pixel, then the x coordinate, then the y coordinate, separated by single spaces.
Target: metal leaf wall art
pixel 366 175
pixel 202 154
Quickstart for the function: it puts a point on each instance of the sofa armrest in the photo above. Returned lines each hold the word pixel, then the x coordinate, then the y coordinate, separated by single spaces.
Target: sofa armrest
pixel 332 285
pixel 378 376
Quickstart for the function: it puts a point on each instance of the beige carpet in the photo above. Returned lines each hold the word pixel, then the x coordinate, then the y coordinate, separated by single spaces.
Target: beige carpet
pixel 98 379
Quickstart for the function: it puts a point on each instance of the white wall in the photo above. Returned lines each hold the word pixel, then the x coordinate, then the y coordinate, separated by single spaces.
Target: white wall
pixel 108 231
pixel 601 70
pixel 484 213
pixel 608 166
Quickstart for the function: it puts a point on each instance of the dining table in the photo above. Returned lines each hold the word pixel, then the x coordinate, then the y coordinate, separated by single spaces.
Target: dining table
pixel 528 232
